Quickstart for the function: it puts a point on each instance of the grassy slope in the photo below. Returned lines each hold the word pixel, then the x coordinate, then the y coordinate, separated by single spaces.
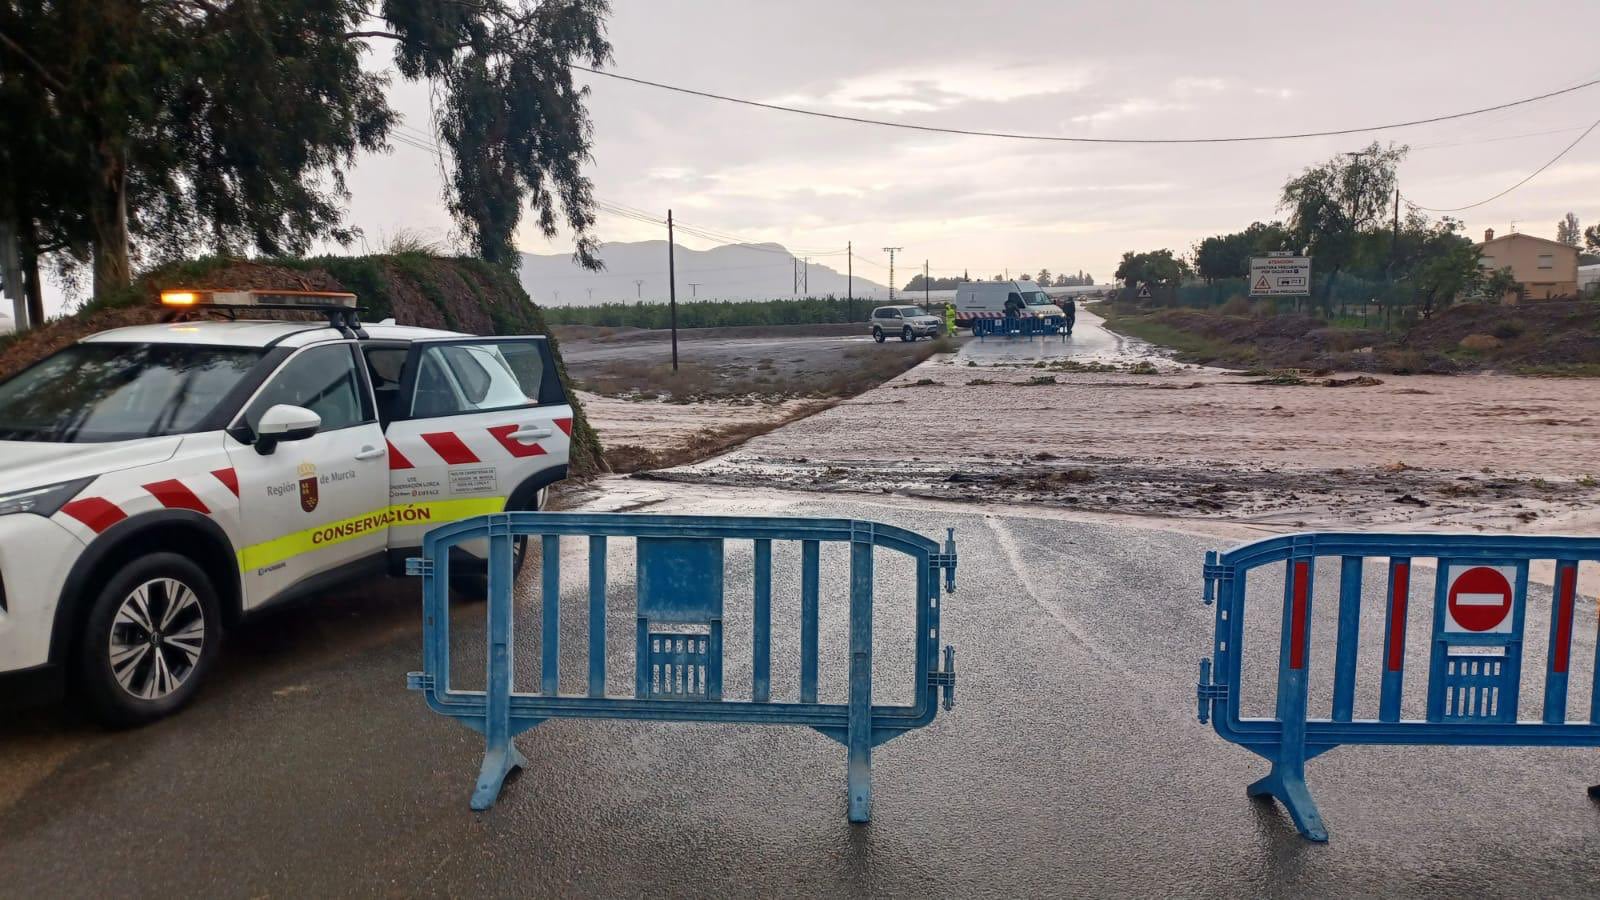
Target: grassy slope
pixel 1551 337
pixel 415 289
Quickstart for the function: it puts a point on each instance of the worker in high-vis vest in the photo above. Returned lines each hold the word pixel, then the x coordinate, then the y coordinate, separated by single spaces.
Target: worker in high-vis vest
pixel 950 319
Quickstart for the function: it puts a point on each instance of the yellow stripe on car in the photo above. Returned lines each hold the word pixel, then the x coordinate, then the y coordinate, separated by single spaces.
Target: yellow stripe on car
pixel 266 553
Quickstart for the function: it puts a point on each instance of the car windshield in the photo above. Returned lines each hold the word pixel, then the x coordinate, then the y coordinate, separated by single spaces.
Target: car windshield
pixel 111 392
pixel 1036 298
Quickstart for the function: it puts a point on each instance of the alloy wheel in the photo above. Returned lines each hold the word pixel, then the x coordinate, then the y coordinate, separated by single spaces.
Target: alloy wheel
pixel 156 638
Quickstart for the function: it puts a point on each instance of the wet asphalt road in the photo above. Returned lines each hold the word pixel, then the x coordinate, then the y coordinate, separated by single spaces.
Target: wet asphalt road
pixel 1090 342
pixel 1072 764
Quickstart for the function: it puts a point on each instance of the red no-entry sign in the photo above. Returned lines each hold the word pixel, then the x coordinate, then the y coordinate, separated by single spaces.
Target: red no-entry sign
pixel 1479 599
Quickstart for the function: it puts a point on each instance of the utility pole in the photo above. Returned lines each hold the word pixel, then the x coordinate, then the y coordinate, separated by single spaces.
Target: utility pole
pixel 805 277
pixel 927 306
pixel 850 280
pixel 1394 242
pixel 794 290
pixel 638 288
pixel 694 289
pixel 672 289
pixel 891 251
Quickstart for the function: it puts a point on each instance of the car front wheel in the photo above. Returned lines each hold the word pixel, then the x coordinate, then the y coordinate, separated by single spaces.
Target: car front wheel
pixel 153 632
pixel 906 335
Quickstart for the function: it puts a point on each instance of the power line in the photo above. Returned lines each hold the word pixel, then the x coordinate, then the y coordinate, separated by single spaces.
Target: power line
pixel 1536 172
pixel 1018 136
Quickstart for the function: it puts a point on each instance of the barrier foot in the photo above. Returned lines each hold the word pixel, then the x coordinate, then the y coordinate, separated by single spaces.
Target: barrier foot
pixel 1594 792
pixel 860 787
pixel 1291 791
pixel 497 764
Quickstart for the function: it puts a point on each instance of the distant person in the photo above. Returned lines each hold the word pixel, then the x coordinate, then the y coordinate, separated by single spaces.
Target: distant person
pixel 1070 307
pixel 950 319
pixel 1014 305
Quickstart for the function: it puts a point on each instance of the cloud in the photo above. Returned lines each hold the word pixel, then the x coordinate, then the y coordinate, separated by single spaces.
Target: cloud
pixel 1189 85
pixel 1129 109
pixel 941 87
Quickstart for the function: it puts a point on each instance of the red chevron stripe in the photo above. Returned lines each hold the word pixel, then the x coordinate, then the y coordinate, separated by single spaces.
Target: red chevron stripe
pixel 96 512
pixel 230 478
pixel 517 449
pixel 450 448
pixel 174 495
pixel 565 425
pixel 397 460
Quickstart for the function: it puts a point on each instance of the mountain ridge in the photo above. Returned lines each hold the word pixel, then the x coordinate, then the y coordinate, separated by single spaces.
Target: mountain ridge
pixel 637 270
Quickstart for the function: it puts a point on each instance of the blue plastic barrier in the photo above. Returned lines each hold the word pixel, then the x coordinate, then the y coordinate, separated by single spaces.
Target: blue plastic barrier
pixel 1019 326
pixel 1474 673
pixel 678 643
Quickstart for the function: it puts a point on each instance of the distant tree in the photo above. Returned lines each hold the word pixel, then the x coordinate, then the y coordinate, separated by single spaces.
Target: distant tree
pixel 164 127
pixel 1332 204
pixel 1156 268
pixel 1445 264
pixel 935 284
pixel 1591 237
pixel 1497 284
pixel 1228 255
pixel 1569 232
pixel 1044 278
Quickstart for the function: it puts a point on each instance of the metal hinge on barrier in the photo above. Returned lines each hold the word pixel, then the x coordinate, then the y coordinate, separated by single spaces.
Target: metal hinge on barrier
pixel 945 679
pixel 419 681
pixel 1213 575
pixel 419 565
pixel 1206 692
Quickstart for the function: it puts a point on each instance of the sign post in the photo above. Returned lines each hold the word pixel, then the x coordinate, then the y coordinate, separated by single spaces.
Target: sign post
pixel 1280 274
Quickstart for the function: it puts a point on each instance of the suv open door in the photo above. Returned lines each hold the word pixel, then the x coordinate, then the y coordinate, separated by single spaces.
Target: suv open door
pixel 480 425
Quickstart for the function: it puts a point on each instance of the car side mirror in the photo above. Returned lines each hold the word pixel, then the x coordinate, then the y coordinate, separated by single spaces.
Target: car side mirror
pixel 285 423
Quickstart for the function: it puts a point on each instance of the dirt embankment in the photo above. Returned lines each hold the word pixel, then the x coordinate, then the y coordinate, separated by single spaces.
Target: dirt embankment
pixel 456 294
pixel 725 389
pixel 1556 337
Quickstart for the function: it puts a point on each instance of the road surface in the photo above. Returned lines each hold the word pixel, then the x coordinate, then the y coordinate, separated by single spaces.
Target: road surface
pixel 1090 342
pixel 1072 764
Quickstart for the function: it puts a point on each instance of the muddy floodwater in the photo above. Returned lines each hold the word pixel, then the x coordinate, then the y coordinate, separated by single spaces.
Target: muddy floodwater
pixel 1100 423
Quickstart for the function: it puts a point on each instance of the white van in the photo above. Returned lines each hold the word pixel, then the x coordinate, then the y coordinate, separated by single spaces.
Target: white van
pixel 1003 299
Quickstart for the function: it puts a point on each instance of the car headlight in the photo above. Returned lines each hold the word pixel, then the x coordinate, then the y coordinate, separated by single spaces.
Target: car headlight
pixel 41 501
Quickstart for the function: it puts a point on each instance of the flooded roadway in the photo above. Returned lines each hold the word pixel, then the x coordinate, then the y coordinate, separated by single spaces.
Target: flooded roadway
pixel 1072 764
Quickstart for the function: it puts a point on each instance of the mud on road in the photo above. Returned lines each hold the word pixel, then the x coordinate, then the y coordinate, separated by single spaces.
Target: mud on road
pixel 1480 451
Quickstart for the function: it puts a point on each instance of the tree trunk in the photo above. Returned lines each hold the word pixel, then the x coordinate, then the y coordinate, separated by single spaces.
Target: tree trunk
pixel 30 274
pixel 108 215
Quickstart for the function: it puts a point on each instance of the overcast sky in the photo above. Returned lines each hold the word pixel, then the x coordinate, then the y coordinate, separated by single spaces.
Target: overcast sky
pixel 1118 68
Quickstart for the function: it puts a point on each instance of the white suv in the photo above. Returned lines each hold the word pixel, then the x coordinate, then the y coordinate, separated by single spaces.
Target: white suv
pixel 908 322
pixel 159 483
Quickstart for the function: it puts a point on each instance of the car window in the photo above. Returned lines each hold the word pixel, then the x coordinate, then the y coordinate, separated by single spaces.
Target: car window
pixel 112 392
pixel 322 379
pixel 891 314
pixel 384 364
pixel 465 378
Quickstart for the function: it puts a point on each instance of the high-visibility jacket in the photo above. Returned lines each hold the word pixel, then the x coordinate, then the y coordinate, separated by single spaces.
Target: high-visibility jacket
pixel 949 319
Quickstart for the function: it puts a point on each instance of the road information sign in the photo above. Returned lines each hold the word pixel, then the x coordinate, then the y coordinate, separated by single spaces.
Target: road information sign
pixel 1280 276
pixel 1479 599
